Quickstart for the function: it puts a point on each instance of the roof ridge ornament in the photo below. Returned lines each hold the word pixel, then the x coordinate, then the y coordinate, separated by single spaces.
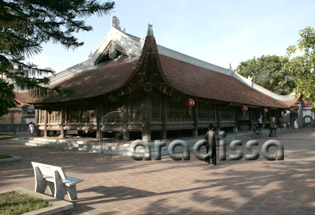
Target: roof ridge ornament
pixel 90 55
pixel 150 29
pixel 141 42
pixel 115 22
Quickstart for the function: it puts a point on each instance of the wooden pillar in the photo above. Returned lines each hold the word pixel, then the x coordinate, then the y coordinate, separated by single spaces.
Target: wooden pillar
pixel 146 117
pixel 164 117
pixel 126 107
pixel 37 131
pixel 45 123
pixel 250 112
pixel 62 121
pixel 195 119
pixel 218 117
pixel 12 117
pixel 99 114
pixel 236 119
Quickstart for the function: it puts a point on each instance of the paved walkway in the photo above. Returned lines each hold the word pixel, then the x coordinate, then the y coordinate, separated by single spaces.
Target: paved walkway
pixel 124 186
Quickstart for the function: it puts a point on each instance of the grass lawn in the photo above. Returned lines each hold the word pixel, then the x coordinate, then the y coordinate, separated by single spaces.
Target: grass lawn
pixel 5 156
pixel 5 135
pixel 14 203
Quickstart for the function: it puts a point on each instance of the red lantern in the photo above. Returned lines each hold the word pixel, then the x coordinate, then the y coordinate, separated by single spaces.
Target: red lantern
pixel 265 110
pixel 285 111
pixel 244 109
pixel 190 103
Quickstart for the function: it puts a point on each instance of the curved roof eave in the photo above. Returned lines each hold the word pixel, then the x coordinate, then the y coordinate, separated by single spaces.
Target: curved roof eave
pixel 263 90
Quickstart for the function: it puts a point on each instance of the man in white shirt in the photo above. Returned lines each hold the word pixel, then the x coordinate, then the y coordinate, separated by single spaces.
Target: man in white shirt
pixel 31 128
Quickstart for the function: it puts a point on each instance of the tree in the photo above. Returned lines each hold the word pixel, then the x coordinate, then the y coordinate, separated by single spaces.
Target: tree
pixel 6 97
pixel 267 72
pixel 302 66
pixel 25 25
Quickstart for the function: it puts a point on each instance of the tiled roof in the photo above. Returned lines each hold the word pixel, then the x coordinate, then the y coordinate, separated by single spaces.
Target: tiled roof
pixel 200 82
pixel 89 84
pixel 189 79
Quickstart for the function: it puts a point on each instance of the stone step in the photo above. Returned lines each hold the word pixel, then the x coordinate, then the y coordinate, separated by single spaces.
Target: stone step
pixel 122 148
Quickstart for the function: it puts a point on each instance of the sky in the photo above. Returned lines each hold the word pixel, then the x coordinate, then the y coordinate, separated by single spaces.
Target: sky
pixel 221 32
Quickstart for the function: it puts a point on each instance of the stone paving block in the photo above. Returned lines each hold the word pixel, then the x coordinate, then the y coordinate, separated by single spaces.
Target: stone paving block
pixel 124 186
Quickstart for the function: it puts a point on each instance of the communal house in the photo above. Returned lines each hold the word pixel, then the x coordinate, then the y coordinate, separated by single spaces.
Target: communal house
pixel 139 89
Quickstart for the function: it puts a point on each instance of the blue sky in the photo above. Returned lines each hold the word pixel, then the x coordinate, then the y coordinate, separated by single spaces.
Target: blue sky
pixel 217 31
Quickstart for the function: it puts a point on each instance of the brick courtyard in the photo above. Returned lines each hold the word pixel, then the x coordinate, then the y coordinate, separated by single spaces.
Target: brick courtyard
pixel 124 186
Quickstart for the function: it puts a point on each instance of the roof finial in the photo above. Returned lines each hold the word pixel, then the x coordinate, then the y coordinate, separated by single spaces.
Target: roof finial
pixel 115 22
pixel 90 55
pixel 150 30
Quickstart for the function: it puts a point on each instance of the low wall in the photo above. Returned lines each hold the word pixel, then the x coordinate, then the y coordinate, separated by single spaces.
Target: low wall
pixel 12 128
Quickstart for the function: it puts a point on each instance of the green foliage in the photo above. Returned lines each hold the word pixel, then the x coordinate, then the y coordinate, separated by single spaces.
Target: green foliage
pixel 5 156
pixel 267 72
pixel 25 25
pixel 6 97
pixel 17 203
pixel 302 63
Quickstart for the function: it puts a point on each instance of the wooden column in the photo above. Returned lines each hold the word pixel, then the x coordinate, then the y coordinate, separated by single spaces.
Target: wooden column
pixel 12 117
pixel 250 112
pixel 126 110
pixel 99 114
pixel 146 117
pixel 45 123
pixel 236 119
pixel 164 117
pixel 62 131
pixel 37 131
pixel 218 116
pixel 195 119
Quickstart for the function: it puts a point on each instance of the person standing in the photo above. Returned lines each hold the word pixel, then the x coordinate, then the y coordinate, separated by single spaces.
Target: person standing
pixel 273 120
pixel 296 125
pixel 211 143
pixel 31 128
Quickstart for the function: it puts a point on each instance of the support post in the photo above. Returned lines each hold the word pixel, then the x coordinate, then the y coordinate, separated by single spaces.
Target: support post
pixel 236 120
pixel 218 117
pixel 250 112
pixel 45 123
pixel 195 119
pixel 99 115
pixel 12 119
pixel 126 107
pixel 164 117
pixel 37 131
pixel 62 121
pixel 146 117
